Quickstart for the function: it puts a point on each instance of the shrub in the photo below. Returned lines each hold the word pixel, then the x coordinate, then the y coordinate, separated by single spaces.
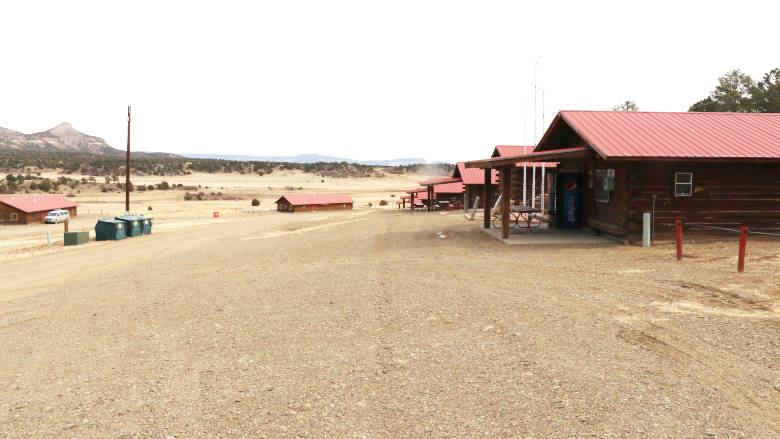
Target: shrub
pixel 103 189
pixel 187 196
pixel 255 202
pixel 149 208
pixel 383 203
pixel 45 185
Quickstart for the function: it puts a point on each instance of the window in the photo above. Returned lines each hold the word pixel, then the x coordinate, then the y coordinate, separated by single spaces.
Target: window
pixel 683 184
pixel 604 182
pixel 14 217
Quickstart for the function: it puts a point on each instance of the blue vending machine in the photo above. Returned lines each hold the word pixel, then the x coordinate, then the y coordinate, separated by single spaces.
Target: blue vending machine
pixel 570 207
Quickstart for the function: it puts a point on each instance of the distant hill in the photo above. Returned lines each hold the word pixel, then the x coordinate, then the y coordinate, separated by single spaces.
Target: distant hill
pixel 306 158
pixel 62 138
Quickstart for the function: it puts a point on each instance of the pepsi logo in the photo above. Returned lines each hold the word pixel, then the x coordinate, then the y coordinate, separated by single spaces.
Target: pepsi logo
pixel 570 186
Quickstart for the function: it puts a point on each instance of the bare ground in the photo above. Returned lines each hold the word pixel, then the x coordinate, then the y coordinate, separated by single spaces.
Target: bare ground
pixel 367 324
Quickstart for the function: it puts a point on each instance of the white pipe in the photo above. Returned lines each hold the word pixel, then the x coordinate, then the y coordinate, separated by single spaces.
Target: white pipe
pixel 533 187
pixel 525 185
pixel 541 188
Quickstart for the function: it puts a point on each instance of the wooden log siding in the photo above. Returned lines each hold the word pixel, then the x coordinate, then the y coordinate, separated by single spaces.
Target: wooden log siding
pixel 724 195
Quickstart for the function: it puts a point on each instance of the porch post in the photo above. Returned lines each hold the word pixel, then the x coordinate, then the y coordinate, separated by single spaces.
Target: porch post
pixel 411 201
pixel 506 184
pixel 430 198
pixel 486 194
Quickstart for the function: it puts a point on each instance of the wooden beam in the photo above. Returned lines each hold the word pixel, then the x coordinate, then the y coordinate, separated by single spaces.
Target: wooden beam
pixel 411 201
pixel 486 195
pixel 506 184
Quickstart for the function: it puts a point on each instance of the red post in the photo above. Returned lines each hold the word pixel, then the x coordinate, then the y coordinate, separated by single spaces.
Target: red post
pixel 678 230
pixel 742 243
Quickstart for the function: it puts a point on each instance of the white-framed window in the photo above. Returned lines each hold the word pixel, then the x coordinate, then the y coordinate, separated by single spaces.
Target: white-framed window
pixel 683 184
pixel 604 182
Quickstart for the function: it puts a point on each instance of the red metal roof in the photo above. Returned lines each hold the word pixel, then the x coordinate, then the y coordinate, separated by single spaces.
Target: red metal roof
pixel 536 157
pixel 514 151
pixel 38 203
pixel 419 189
pixel 439 181
pixel 306 199
pixel 472 175
pixel 632 134
pixel 449 188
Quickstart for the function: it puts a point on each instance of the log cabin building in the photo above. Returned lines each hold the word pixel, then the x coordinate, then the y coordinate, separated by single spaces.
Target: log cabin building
pixel 313 202
pixel 474 183
pixel 29 209
pixel 719 169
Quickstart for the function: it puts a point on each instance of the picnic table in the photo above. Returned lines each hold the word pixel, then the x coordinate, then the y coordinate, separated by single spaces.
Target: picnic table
pixel 521 217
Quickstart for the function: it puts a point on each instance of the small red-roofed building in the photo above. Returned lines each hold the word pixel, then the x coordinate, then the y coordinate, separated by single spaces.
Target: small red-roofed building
pixel 313 202
pixel 28 209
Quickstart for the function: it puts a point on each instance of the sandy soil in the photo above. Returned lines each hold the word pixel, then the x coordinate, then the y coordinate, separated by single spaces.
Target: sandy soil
pixel 368 324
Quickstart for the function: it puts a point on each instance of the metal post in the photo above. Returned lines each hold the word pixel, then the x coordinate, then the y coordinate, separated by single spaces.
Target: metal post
pixel 533 187
pixel 646 229
pixel 652 231
pixel 127 167
pixel 544 182
pixel 487 194
pixel 48 239
pixel 525 185
pixel 742 243
pixel 678 235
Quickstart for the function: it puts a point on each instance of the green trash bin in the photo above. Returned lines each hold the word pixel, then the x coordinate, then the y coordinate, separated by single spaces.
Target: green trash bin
pixel 76 238
pixel 132 225
pixel 146 225
pixel 109 229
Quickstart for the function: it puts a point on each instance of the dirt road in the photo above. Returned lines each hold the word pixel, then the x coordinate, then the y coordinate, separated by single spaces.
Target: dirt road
pixel 367 324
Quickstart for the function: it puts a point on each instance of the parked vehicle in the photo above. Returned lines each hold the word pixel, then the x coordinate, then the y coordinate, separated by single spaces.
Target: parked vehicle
pixel 56 216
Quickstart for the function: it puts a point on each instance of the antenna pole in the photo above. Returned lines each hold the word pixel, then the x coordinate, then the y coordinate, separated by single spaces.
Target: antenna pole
pixel 127 167
pixel 534 103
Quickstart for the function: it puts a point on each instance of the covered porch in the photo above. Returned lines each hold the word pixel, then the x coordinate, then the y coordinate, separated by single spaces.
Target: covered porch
pixel 552 237
pixel 508 208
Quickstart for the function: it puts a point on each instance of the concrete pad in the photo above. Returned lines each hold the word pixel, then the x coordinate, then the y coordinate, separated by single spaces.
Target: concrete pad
pixel 559 237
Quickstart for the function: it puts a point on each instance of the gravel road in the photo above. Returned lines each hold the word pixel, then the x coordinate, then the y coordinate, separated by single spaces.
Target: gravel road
pixel 369 325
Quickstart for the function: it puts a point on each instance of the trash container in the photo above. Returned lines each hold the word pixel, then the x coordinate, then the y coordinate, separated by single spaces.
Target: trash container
pixel 109 229
pixel 146 225
pixel 132 225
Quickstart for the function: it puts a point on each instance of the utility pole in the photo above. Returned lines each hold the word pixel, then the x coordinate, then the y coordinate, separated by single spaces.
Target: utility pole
pixel 127 167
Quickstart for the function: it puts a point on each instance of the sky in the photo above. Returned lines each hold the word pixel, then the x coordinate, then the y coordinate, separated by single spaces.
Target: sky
pixel 442 80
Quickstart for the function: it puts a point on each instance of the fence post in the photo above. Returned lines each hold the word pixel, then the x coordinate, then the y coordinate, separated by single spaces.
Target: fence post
pixel 48 239
pixel 742 243
pixel 678 234
pixel 646 229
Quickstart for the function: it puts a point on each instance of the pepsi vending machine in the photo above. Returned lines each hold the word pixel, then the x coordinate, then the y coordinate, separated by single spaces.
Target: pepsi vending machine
pixel 569 206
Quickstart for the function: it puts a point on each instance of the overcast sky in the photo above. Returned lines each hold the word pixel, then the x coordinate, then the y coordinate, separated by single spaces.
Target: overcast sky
pixel 444 80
